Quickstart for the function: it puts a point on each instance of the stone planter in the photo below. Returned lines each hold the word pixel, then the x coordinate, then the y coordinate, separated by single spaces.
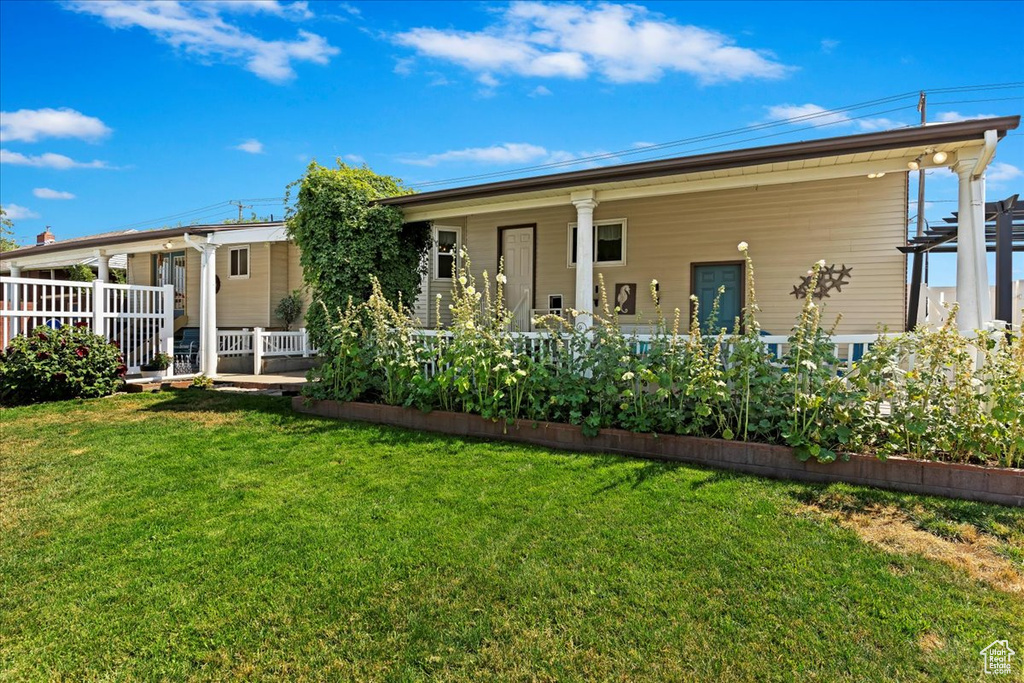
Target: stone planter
pixel 952 480
pixel 154 374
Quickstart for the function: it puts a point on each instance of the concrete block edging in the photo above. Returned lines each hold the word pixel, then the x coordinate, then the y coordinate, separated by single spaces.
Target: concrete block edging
pixel 951 480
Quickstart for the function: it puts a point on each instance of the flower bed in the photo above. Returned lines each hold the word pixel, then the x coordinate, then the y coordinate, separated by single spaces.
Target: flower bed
pixel 952 480
pixel 930 394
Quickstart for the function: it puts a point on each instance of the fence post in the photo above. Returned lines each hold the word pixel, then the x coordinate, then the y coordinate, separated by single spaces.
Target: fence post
pixel 257 350
pixel 305 342
pixel 98 305
pixel 167 324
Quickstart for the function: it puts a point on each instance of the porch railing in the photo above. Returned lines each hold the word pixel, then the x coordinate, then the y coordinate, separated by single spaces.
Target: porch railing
pixel 848 348
pixel 261 343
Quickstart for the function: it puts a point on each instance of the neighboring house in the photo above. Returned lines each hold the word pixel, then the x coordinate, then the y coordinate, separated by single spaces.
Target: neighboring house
pixel 679 221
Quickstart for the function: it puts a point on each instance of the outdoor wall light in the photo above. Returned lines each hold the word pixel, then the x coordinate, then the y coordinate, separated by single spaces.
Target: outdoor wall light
pixel 915 164
pixel 876 175
pixel 168 245
pixel 940 157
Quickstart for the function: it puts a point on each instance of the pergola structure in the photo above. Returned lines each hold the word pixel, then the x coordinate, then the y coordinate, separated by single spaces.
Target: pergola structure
pixel 1004 234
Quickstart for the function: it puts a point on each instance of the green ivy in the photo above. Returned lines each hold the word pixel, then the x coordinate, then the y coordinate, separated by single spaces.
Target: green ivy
pixel 346 239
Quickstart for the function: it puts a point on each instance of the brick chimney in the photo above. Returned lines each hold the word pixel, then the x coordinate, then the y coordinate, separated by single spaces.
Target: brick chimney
pixel 45 237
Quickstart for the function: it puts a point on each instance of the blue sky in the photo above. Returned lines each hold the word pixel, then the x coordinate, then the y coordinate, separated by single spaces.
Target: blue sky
pixel 127 114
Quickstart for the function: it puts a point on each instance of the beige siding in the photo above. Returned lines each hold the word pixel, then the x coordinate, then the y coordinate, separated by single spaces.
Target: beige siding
pixel 244 302
pixel 858 222
pixel 278 279
pixel 140 269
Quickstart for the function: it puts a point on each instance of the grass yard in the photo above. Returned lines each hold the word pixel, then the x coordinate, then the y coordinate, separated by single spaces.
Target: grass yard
pixel 210 536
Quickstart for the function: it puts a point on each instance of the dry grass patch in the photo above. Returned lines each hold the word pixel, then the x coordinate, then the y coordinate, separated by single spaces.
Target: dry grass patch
pixel 889 528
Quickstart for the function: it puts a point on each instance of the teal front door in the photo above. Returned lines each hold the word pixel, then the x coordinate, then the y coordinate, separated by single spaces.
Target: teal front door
pixel 707 279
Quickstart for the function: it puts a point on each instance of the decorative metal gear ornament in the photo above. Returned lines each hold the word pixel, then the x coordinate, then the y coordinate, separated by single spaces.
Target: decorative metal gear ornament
pixel 829 278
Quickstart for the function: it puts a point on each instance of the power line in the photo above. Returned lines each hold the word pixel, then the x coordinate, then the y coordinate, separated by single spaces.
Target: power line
pixel 728 133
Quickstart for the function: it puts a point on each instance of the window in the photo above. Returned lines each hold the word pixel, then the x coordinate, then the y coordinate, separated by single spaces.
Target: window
pixel 609 243
pixel 447 242
pixel 555 301
pixel 239 262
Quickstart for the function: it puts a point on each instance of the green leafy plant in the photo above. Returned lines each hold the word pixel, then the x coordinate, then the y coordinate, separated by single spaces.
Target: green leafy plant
pixel 160 361
pixel 289 309
pixel 80 272
pixel 346 238
pixel 54 365
pixel 202 382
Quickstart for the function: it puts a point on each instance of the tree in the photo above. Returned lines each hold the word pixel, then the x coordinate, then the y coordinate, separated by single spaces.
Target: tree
pixel 345 237
pixel 7 242
pixel 80 272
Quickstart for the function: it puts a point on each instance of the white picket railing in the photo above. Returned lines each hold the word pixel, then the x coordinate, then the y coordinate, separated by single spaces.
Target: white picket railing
pixel 261 344
pixel 848 348
pixel 139 319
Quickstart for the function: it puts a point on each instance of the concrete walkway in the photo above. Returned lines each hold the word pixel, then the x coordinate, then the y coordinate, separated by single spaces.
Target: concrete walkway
pixel 285 381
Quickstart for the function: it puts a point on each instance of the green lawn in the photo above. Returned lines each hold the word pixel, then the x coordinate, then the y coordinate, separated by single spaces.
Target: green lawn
pixel 214 536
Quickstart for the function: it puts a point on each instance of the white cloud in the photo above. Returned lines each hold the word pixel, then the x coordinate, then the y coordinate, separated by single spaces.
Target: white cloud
pixel 621 43
pixel 198 29
pixel 507 153
pixel 252 146
pixel 1000 172
pixel 47 160
pixel 816 115
pixel 354 159
pixel 289 10
pixel 539 91
pixel 15 212
pixel 953 116
pixel 47 193
pixel 828 45
pixel 30 125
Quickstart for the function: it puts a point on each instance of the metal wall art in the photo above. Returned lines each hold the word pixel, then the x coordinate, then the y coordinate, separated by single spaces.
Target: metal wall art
pixel 831 278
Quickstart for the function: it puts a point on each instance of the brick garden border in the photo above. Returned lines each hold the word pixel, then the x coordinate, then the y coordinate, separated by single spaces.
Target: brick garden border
pixel 952 480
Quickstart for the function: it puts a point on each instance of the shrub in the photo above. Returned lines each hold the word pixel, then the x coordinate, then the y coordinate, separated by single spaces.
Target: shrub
pixel 53 365
pixel 160 361
pixel 289 309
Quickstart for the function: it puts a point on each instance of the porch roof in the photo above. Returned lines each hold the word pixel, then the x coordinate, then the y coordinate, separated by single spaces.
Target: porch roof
pixel 82 249
pixel 886 151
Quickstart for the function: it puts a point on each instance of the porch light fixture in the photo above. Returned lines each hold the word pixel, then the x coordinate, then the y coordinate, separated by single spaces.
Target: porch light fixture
pixel 876 175
pixel 168 245
pixel 915 164
pixel 940 157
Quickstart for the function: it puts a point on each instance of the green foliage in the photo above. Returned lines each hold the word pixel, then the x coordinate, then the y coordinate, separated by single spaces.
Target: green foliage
pixel 80 272
pixel 289 309
pixel 55 365
pixel 160 361
pixel 346 240
pixel 202 382
pixel 922 394
pixel 7 242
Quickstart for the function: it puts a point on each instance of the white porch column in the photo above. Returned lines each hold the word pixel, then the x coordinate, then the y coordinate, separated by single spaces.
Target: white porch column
pixel 208 311
pixel 103 263
pixel 971 264
pixel 585 203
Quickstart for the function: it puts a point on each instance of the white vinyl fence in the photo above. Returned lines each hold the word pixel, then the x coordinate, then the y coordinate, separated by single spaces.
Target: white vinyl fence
pixel 140 320
pixel 261 344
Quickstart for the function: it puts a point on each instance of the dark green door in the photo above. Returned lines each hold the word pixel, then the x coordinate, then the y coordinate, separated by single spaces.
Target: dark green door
pixel 707 280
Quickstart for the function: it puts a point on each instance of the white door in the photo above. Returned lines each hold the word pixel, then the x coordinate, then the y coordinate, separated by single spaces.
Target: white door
pixel 517 249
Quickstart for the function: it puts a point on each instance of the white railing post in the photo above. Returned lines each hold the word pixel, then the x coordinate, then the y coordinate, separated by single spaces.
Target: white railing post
pixel 305 342
pixel 257 350
pixel 98 305
pixel 167 324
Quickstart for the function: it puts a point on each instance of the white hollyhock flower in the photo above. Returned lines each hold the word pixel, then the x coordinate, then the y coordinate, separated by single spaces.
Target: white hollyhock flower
pixel 501 279
pixel 462 280
pixel 626 376
pixel 742 246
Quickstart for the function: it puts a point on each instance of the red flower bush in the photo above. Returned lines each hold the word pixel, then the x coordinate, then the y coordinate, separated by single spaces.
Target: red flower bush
pixel 53 365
